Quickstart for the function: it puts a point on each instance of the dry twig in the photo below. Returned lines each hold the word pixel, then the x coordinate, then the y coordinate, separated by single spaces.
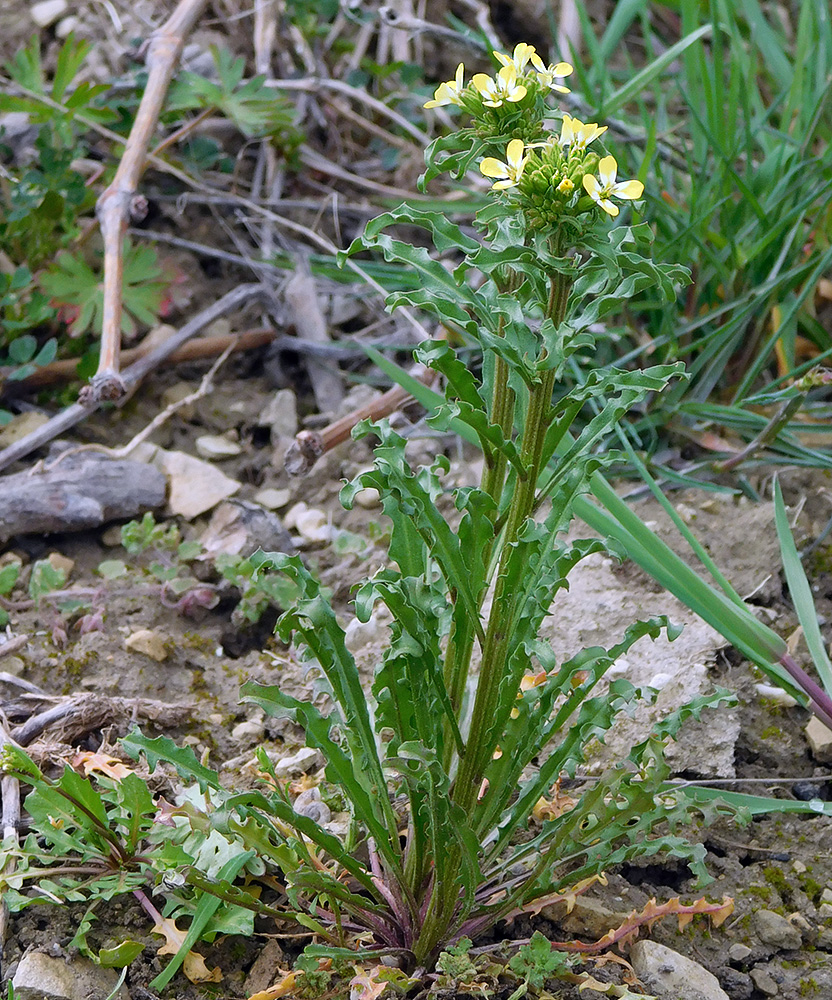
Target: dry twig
pixel 115 204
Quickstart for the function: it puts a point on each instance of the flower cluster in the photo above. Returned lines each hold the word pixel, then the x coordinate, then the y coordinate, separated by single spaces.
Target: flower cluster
pixel 550 176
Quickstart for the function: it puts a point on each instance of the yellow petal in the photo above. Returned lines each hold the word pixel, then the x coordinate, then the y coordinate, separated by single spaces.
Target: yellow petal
pixel 591 185
pixel 562 69
pixel 492 167
pixel 609 207
pixel 629 189
pixel 482 82
pixel 517 94
pixel 514 152
pixel 607 169
pixel 502 185
pixel 502 57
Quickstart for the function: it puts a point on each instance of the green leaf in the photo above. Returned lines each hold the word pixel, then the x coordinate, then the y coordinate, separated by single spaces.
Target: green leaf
pixel 121 956
pixel 45 579
pixel 162 749
pixel 111 569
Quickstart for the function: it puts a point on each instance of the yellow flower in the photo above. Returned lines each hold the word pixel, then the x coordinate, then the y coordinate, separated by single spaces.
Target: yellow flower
pixel 504 87
pixel 576 133
pixel 566 186
pixel 520 58
pixel 547 75
pixel 448 93
pixel 510 172
pixel 609 187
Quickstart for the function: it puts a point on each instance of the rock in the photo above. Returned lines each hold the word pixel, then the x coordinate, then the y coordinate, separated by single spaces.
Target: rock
pixel 587 918
pixel 149 643
pixel 21 425
pixel 48 12
pixel 215 446
pixel 67 26
pixel 239 528
pixel 775 695
pixel 671 975
pixel 61 562
pixel 310 523
pixel 41 977
pixel 308 803
pixel 775 931
pixel 305 760
pixel 174 394
pixel 266 969
pixel 739 952
pixel 738 985
pixel 368 498
pixel 248 731
pixel 112 536
pixel 359 634
pixel 825 938
pixel 195 486
pixel 273 499
pixel 763 982
pixel 820 741
pixel 280 415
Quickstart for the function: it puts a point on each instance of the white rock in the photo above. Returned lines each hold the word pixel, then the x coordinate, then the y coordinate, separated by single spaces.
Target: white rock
pixel 195 486
pixel 313 526
pixel 309 804
pixel 48 11
pixel 368 498
pixel 67 26
pixel 41 977
pixel 359 634
pixel 820 741
pixel 248 731
pixel 739 952
pixel 149 643
pixel 216 446
pixel 280 414
pixel 273 499
pixel 775 694
pixel 670 975
pixel 305 760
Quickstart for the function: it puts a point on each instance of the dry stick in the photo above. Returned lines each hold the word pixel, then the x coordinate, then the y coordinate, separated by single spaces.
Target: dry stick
pixel 65 370
pixel 113 207
pixel 131 376
pixel 308 446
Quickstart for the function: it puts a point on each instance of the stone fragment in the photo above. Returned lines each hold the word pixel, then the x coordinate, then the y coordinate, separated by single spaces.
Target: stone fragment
pixel 368 498
pixel 21 425
pixel 248 731
pixel 305 760
pixel 309 803
pixel 195 486
pixel 820 741
pixel 174 394
pixel 775 931
pixel 48 11
pixel 764 982
pixel 273 499
pixel 112 536
pixel 737 985
pixel 775 695
pixel 41 977
pixel 216 446
pixel 587 918
pixel 739 952
pixel 280 415
pixel 66 26
pixel 61 562
pixel 670 975
pixel 266 969
pixel 359 634
pixel 149 643
pixel 310 523
pixel 238 528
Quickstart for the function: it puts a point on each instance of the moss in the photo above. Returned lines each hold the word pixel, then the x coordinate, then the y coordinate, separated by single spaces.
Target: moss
pixel 808 987
pixel 777 878
pixel 761 892
pixel 771 733
pixel 811 887
pixel 203 643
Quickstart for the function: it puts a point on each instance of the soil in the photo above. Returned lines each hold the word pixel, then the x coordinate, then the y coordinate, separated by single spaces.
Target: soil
pixel 780 863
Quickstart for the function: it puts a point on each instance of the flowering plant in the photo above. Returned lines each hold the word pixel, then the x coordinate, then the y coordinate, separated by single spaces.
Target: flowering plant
pixel 437 765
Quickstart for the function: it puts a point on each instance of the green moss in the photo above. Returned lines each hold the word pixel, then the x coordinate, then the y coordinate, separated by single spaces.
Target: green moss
pixel 761 892
pixel 777 878
pixel 808 987
pixel 203 643
pixel 771 733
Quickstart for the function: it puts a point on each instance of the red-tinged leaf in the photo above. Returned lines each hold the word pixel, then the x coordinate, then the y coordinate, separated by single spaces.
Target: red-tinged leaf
pixel 86 762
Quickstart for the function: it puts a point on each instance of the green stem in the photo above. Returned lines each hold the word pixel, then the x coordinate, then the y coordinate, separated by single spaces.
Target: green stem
pixel 496 647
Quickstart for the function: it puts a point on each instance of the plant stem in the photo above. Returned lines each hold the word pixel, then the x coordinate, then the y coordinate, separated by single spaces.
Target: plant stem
pixel 496 648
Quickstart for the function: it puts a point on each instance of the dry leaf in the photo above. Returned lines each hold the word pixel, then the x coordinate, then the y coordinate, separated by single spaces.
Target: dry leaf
pixel 364 985
pixel 87 762
pixel 286 985
pixel 194 965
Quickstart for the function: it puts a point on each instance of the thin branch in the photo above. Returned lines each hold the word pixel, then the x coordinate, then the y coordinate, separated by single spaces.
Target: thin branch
pixel 113 207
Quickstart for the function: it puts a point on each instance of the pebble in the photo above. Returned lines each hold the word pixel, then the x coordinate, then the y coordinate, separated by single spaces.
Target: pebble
pixel 174 394
pixel 67 26
pixel 48 12
pixel 359 634
pixel 248 731
pixel 775 931
pixel 215 446
pixel 21 425
pixel 368 498
pixel 112 536
pixel 280 415
pixel 820 741
pixel 40 976
pixel 671 975
pixel 805 791
pixel 309 522
pixel 738 985
pixel 149 643
pixel 59 561
pixel 305 760
pixel 273 499
pixel 308 803
pixel 776 695
pixel 739 952
pixel 194 486
pixel 763 982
